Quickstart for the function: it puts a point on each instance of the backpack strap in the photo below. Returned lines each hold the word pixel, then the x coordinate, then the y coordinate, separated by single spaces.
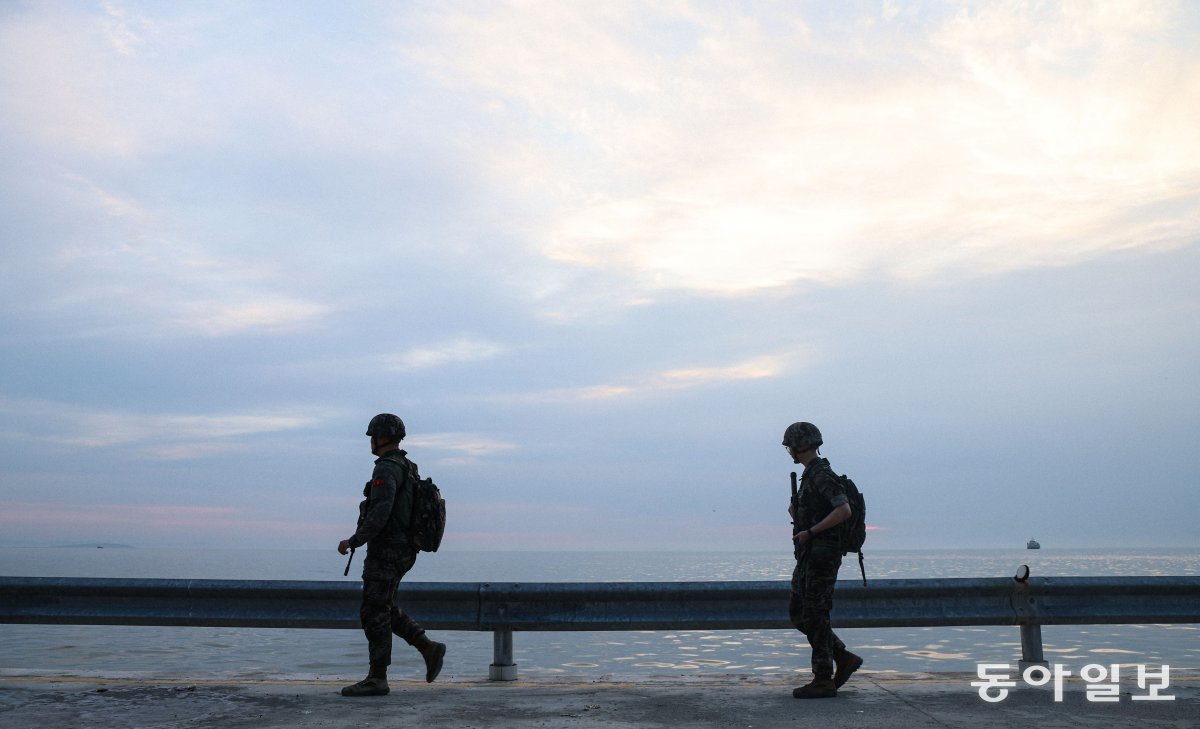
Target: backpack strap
pixel 411 476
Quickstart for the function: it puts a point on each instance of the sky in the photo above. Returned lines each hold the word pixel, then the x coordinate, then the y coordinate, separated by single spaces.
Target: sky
pixel 598 256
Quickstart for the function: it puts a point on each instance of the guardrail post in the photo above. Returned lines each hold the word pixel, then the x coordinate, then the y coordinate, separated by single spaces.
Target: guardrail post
pixel 1031 646
pixel 1027 610
pixel 502 668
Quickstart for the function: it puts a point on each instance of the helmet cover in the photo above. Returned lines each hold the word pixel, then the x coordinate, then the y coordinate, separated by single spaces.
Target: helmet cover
pixel 386 425
pixel 802 436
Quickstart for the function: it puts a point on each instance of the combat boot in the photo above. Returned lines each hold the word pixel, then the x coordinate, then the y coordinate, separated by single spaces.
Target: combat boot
pixel 819 688
pixel 433 653
pixel 847 664
pixel 375 684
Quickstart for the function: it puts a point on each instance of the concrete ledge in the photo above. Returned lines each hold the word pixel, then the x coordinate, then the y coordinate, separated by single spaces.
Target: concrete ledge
pixel 883 701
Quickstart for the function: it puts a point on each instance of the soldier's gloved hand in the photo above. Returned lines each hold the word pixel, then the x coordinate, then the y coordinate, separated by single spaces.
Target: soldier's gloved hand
pixel 344 546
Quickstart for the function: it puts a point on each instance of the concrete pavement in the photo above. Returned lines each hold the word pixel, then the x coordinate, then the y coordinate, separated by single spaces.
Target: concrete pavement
pixel 872 701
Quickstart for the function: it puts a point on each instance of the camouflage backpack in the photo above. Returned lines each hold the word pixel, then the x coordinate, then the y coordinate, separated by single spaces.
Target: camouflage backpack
pixel 854 530
pixel 428 519
pixel 428 515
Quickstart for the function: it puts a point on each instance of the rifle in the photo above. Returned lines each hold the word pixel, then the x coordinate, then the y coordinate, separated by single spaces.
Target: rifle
pixel 347 572
pixel 793 500
pixel 794 511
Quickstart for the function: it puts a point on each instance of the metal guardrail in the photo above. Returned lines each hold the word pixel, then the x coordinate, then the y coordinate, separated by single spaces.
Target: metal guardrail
pixel 506 607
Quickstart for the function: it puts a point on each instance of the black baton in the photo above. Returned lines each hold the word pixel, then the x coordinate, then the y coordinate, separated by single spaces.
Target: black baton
pixel 347 572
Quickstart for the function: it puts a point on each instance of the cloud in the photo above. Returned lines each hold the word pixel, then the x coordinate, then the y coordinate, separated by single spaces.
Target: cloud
pixel 97 429
pixel 163 524
pixel 758 368
pixel 108 515
pixel 568 205
pixel 126 31
pixel 449 352
pixel 465 448
pixel 736 153
pixel 75 81
pixel 684 378
pixel 256 311
pixel 137 264
pixel 158 435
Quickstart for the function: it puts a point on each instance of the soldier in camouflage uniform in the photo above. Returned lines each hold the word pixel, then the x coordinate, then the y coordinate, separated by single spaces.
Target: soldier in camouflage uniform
pixel 820 506
pixel 383 523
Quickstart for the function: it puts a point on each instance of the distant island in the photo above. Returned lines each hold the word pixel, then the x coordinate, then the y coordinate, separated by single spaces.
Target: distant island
pixel 96 545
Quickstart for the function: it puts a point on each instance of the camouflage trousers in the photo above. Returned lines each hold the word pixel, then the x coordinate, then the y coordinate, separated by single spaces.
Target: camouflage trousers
pixel 811 602
pixel 379 614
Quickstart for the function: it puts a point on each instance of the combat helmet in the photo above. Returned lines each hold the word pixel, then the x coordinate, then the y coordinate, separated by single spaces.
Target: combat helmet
pixel 386 425
pixel 802 436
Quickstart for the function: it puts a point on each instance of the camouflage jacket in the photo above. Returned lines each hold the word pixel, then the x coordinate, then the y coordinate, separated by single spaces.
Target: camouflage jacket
pixel 385 513
pixel 820 492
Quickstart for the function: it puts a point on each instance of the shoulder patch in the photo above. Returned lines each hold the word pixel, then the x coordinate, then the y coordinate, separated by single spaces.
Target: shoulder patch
pixel 376 482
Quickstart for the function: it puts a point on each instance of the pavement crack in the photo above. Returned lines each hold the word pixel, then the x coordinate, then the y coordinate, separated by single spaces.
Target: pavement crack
pixel 915 707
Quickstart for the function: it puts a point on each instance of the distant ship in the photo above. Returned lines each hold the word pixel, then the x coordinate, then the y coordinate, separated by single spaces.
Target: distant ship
pixel 1033 544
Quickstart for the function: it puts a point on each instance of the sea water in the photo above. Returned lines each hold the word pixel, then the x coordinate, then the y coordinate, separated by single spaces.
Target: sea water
pixel 115 651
